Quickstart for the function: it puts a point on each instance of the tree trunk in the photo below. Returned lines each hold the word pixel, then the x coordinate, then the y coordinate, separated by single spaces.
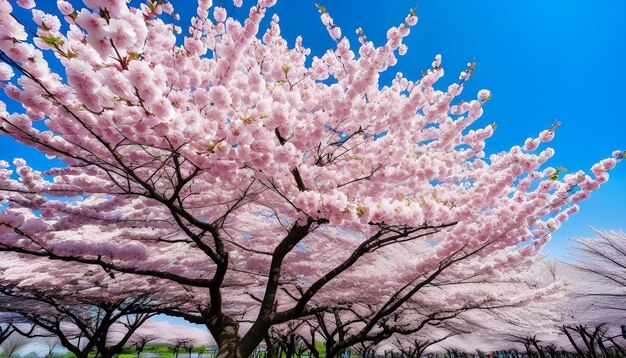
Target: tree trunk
pixel 589 343
pixel 106 353
pixel 311 345
pixel 529 353
pixel 603 350
pixel 538 348
pixel 269 347
pixel 225 331
pixel 572 342
pixel 419 351
pixel 290 347
pixel 331 350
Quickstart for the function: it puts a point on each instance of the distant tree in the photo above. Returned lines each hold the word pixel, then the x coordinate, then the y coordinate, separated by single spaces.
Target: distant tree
pixel 140 342
pixel 181 343
pixel 446 306
pixel 188 347
pixel 602 261
pixel 79 326
pixel 85 309
pixel 411 347
pixel 596 301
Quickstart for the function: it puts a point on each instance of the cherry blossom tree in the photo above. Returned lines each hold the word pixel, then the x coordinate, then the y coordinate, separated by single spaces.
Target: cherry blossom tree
pixel 415 347
pixel 602 261
pixel 595 320
pixel 533 327
pixel 140 342
pixel 187 346
pixel 227 163
pixel 81 308
pixel 449 305
pixel 171 334
pixel 182 343
pixel 80 328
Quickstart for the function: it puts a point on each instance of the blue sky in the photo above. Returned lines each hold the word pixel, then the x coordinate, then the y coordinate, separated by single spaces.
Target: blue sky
pixel 541 59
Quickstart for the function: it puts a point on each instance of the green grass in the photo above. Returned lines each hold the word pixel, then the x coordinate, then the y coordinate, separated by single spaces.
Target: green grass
pixel 167 352
pixel 161 355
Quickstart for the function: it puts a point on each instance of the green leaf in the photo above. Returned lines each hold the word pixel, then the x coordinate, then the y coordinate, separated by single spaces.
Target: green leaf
pixel 55 41
pixel 558 171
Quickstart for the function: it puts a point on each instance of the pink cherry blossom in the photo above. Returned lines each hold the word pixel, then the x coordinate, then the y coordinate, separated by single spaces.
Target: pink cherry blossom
pixel 26 4
pixel 259 180
pixel 546 136
pixel 6 72
pixel 65 7
pixel 484 95
pixel 121 33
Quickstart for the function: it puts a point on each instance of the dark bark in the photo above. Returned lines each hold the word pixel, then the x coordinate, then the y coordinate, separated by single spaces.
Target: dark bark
pixel 552 352
pixel 271 353
pixel 264 320
pixel 538 348
pixel 579 351
pixel 290 346
pixel 225 331
pixel 605 353
pixel 331 350
pixel 314 353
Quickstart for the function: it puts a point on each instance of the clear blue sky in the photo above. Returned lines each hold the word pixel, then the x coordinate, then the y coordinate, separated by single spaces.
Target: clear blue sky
pixel 542 59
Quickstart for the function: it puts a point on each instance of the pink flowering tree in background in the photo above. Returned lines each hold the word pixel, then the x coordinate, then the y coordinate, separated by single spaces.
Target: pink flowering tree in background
pixel 595 320
pixel 448 305
pixel 185 344
pixel 165 333
pixel 602 261
pixel 483 312
pixel 222 163
pixel 531 328
pixel 416 346
pixel 140 341
pixel 84 308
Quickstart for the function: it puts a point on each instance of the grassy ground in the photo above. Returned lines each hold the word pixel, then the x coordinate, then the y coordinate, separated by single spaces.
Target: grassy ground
pixel 166 352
